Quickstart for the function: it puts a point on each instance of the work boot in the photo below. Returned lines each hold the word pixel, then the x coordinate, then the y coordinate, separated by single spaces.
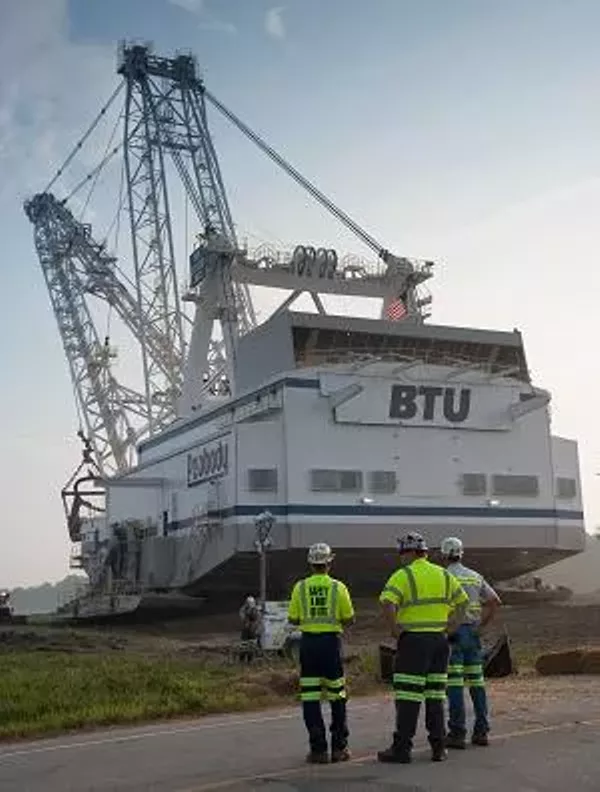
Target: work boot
pixel 340 755
pixel 480 739
pixel 315 757
pixel 394 755
pixel 439 754
pixel 456 741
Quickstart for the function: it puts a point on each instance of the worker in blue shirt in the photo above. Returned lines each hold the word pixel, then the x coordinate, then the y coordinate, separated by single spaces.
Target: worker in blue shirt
pixel 465 666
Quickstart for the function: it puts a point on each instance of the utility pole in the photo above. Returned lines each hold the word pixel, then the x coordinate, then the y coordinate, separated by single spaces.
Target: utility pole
pixel 263 523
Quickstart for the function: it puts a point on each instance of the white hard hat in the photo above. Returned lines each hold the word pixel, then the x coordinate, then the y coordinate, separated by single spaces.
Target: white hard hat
pixel 320 553
pixel 411 542
pixel 451 547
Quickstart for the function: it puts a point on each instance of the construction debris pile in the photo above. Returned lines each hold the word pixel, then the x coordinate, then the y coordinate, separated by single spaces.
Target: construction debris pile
pixel 575 661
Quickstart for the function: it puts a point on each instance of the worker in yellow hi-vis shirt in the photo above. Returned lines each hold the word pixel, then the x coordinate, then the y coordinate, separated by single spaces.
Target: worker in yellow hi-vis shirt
pixel 321 606
pixel 418 601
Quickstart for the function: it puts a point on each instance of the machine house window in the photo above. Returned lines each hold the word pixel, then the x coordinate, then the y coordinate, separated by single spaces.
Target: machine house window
pixel 262 479
pixel 336 480
pixel 474 484
pixel 382 482
pixel 566 487
pixel 524 486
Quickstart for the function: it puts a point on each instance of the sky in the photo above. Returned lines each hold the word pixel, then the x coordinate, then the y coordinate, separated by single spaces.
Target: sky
pixel 467 132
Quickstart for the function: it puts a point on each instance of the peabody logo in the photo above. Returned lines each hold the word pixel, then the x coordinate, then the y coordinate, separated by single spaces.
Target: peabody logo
pixel 208 463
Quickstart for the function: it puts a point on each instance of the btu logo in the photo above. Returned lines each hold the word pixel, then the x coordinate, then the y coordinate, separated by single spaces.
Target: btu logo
pixel 405 405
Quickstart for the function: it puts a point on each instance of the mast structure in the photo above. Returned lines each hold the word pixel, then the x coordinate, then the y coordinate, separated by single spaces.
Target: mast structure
pixel 165 117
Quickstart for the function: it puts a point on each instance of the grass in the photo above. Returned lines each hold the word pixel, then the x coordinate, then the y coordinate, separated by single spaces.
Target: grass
pixel 48 691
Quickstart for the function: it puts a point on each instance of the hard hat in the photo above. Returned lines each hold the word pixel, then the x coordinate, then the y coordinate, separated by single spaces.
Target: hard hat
pixel 411 542
pixel 320 553
pixel 451 547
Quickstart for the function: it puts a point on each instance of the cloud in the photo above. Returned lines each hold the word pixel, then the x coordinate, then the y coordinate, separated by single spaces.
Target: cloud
pixel 274 24
pixel 207 20
pixel 52 89
pixel 193 6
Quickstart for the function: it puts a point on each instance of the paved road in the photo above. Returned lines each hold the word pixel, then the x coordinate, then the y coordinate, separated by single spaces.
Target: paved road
pixel 536 749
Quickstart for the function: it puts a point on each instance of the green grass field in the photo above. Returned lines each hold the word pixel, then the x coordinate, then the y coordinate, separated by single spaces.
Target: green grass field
pixel 46 691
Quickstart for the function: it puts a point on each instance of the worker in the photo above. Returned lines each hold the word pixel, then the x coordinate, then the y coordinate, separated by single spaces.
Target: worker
pixel 421 602
pixel 250 633
pixel 321 607
pixel 466 660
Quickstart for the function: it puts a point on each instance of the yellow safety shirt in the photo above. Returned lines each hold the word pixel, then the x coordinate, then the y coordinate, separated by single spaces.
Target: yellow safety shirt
pixel 424 594
pixel 320 603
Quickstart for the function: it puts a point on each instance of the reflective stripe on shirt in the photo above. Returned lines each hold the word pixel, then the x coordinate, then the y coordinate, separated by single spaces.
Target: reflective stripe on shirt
pixel 476 588
pixel 410 605
pixel 414 598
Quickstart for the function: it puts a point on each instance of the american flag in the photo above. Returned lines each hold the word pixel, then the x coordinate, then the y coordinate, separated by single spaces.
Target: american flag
pixel 395 310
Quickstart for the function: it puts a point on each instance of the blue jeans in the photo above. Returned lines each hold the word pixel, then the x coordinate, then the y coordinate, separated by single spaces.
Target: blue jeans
pixel 465 667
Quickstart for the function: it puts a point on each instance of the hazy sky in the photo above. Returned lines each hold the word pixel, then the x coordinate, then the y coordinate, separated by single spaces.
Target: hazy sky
pixel 467 131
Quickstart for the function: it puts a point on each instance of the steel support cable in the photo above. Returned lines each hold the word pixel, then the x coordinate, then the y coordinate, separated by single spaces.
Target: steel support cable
pixel 185 223
pixel 89 131
pixel 97 175
pixel 78 409
pixel 98 167
pixel 120 207
pixel 115 223
pixel 291 171
pixel 92 173
pixel 108 321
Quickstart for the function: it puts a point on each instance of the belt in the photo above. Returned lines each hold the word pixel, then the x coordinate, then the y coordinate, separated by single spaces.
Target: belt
pixel 423 632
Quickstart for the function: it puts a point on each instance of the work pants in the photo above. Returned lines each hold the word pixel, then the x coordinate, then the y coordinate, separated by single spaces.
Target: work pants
pixel 420 675
pixel 250 642
pixel 322 675
pixel 466 668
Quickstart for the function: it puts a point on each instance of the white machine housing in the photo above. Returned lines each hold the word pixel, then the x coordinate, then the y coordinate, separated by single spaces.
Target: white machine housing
pixel 352 431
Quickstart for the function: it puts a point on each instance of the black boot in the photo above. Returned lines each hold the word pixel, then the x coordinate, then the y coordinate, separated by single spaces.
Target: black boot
pixel 395 755
pixel 340 755
pixel 456 741
pixel 317 757
pixel 438 753
pixel 319 750
pixel 480 739
pixel 339 732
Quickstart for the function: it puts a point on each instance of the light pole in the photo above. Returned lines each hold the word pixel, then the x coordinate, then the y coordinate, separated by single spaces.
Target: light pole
pixel 263 523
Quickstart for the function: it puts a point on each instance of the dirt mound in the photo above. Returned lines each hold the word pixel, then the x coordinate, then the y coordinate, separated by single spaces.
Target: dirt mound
pixel 534 599
pixel 575 661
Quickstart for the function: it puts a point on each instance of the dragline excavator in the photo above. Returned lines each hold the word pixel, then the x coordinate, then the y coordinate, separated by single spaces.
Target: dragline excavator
pixel 165 122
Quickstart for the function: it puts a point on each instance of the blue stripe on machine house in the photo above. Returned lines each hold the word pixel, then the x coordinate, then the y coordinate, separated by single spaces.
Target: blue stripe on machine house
pixel 348 510
pixel 317 510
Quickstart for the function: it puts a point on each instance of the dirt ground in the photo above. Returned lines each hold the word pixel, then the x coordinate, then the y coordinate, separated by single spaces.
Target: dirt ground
pixel 555 627
pixel 533 630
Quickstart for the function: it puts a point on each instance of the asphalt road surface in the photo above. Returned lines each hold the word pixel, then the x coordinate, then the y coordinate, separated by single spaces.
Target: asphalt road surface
pixel 546 748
